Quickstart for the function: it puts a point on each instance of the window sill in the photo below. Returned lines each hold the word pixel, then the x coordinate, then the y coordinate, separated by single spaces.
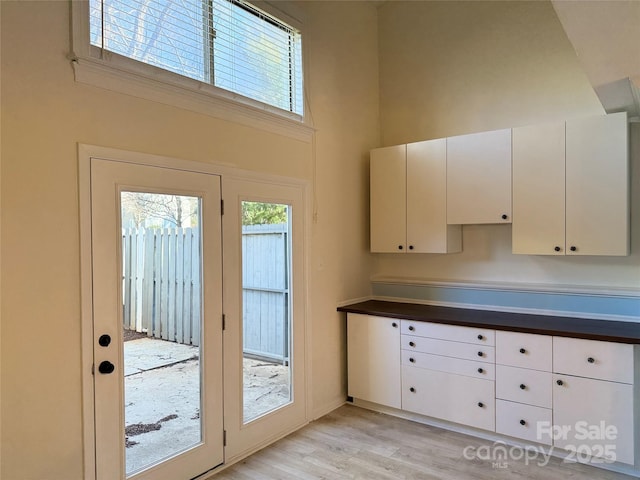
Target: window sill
pixel 190 95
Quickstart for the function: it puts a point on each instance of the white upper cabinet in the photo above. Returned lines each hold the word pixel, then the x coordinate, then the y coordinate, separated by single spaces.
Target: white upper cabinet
pixel 479 178
pixel 597 190
pixel 408 200
pixel 571 187
pixel 388 179
pixel 538 189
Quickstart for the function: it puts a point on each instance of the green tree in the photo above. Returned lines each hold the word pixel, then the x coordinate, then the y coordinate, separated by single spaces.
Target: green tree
pixel 258 213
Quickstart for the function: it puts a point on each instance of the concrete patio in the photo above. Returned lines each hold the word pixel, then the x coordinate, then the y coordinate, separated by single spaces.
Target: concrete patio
pixel 162 397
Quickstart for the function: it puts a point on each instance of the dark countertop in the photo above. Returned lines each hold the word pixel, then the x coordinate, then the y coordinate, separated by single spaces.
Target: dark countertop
pixel 587 328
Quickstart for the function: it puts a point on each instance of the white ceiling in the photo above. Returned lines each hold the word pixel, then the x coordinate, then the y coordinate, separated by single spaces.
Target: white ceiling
pixel 606 37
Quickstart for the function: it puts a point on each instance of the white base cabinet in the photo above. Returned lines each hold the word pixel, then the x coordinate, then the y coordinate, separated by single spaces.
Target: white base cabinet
pixel 373 352
pixel 582 396
pixel 594 418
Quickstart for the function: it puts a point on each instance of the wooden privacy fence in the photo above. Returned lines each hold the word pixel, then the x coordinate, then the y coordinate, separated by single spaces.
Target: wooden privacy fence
pixel 161 283
pixel 162 290
pixel 265 291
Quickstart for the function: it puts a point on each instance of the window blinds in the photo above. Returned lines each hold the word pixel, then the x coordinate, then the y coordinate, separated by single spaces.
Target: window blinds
pixel 228 43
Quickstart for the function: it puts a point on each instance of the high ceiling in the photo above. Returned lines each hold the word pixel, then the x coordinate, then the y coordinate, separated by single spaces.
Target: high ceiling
pixel 606 37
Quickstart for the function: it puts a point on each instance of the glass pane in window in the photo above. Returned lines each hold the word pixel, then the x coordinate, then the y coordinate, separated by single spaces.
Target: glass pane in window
pixel 266 297
pixel 170 34
pixel 254 56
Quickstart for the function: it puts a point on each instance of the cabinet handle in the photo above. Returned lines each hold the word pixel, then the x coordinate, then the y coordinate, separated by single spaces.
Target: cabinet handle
pixel 410 247
pixel 481 370
pixel 591 360
pixel 573 248
pixel 400 247
pixel 504 216
pixel 560 382
pixel 394 325
pixel 480 337
pixel 412 344
pixel 557 249
pixel 481 405
pixel 412 390
pixel 411 328
pixel 522 422
pixel 480 354
pixel 523 386
pixel 522 350
pixel 412 360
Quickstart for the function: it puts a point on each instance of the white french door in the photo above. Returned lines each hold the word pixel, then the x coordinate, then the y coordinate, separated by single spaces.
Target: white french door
pixel 265 337
pixel 156 248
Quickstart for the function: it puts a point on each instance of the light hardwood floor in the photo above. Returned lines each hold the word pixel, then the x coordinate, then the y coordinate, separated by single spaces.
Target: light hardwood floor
pixel 354 443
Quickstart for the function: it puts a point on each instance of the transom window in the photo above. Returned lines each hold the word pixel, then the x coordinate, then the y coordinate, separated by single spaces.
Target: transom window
pixel 230 44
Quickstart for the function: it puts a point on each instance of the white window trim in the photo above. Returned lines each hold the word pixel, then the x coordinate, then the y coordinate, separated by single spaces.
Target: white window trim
pixel 117 73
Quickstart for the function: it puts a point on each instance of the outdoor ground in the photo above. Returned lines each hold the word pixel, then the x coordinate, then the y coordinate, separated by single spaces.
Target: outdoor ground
pixel 162 402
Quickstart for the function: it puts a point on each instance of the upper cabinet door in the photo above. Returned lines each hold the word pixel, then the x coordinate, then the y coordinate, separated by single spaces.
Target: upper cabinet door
pixel 597 185
pixel 388 205
pixel 479 178
pixel 427 229
pixel 538 189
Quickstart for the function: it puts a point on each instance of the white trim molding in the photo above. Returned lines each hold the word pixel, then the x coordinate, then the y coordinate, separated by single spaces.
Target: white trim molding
pixel 604 303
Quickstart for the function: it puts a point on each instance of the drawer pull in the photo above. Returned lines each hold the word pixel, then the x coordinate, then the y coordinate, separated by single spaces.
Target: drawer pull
pixel 481 405
pixel 412 344
pixel 480 337
pixel 394 325
pixel 412 360
pixel 480 354
pixel 522 350
pixel 522 422
pixel 481 370
pixel 523 386
pixel 560 382
pixel 591 360
pixel 412 390
pixel 411 329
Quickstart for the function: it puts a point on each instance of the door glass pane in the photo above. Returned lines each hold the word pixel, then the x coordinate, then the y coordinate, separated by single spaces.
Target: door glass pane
pixel 266 262
pixel 162 318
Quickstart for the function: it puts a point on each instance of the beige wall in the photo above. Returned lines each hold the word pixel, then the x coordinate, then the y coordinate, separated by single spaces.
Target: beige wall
pixel 343 83
pixel 448 68
pixel 45 114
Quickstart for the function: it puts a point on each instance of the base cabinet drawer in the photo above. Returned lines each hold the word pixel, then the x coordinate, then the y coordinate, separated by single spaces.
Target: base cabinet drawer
pixel 525 350
pixel 449 365
pixel 447 348
pixel 594 417
pixel 456 398
pixel 593 359
pixel 522 385
pixel 456 333
pixel 524 421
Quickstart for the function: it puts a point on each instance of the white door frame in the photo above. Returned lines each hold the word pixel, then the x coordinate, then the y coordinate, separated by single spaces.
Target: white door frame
pixel 85 153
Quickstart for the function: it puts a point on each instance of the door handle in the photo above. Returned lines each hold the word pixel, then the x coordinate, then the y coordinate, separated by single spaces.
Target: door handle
pixel 104 340
pixel 106 367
